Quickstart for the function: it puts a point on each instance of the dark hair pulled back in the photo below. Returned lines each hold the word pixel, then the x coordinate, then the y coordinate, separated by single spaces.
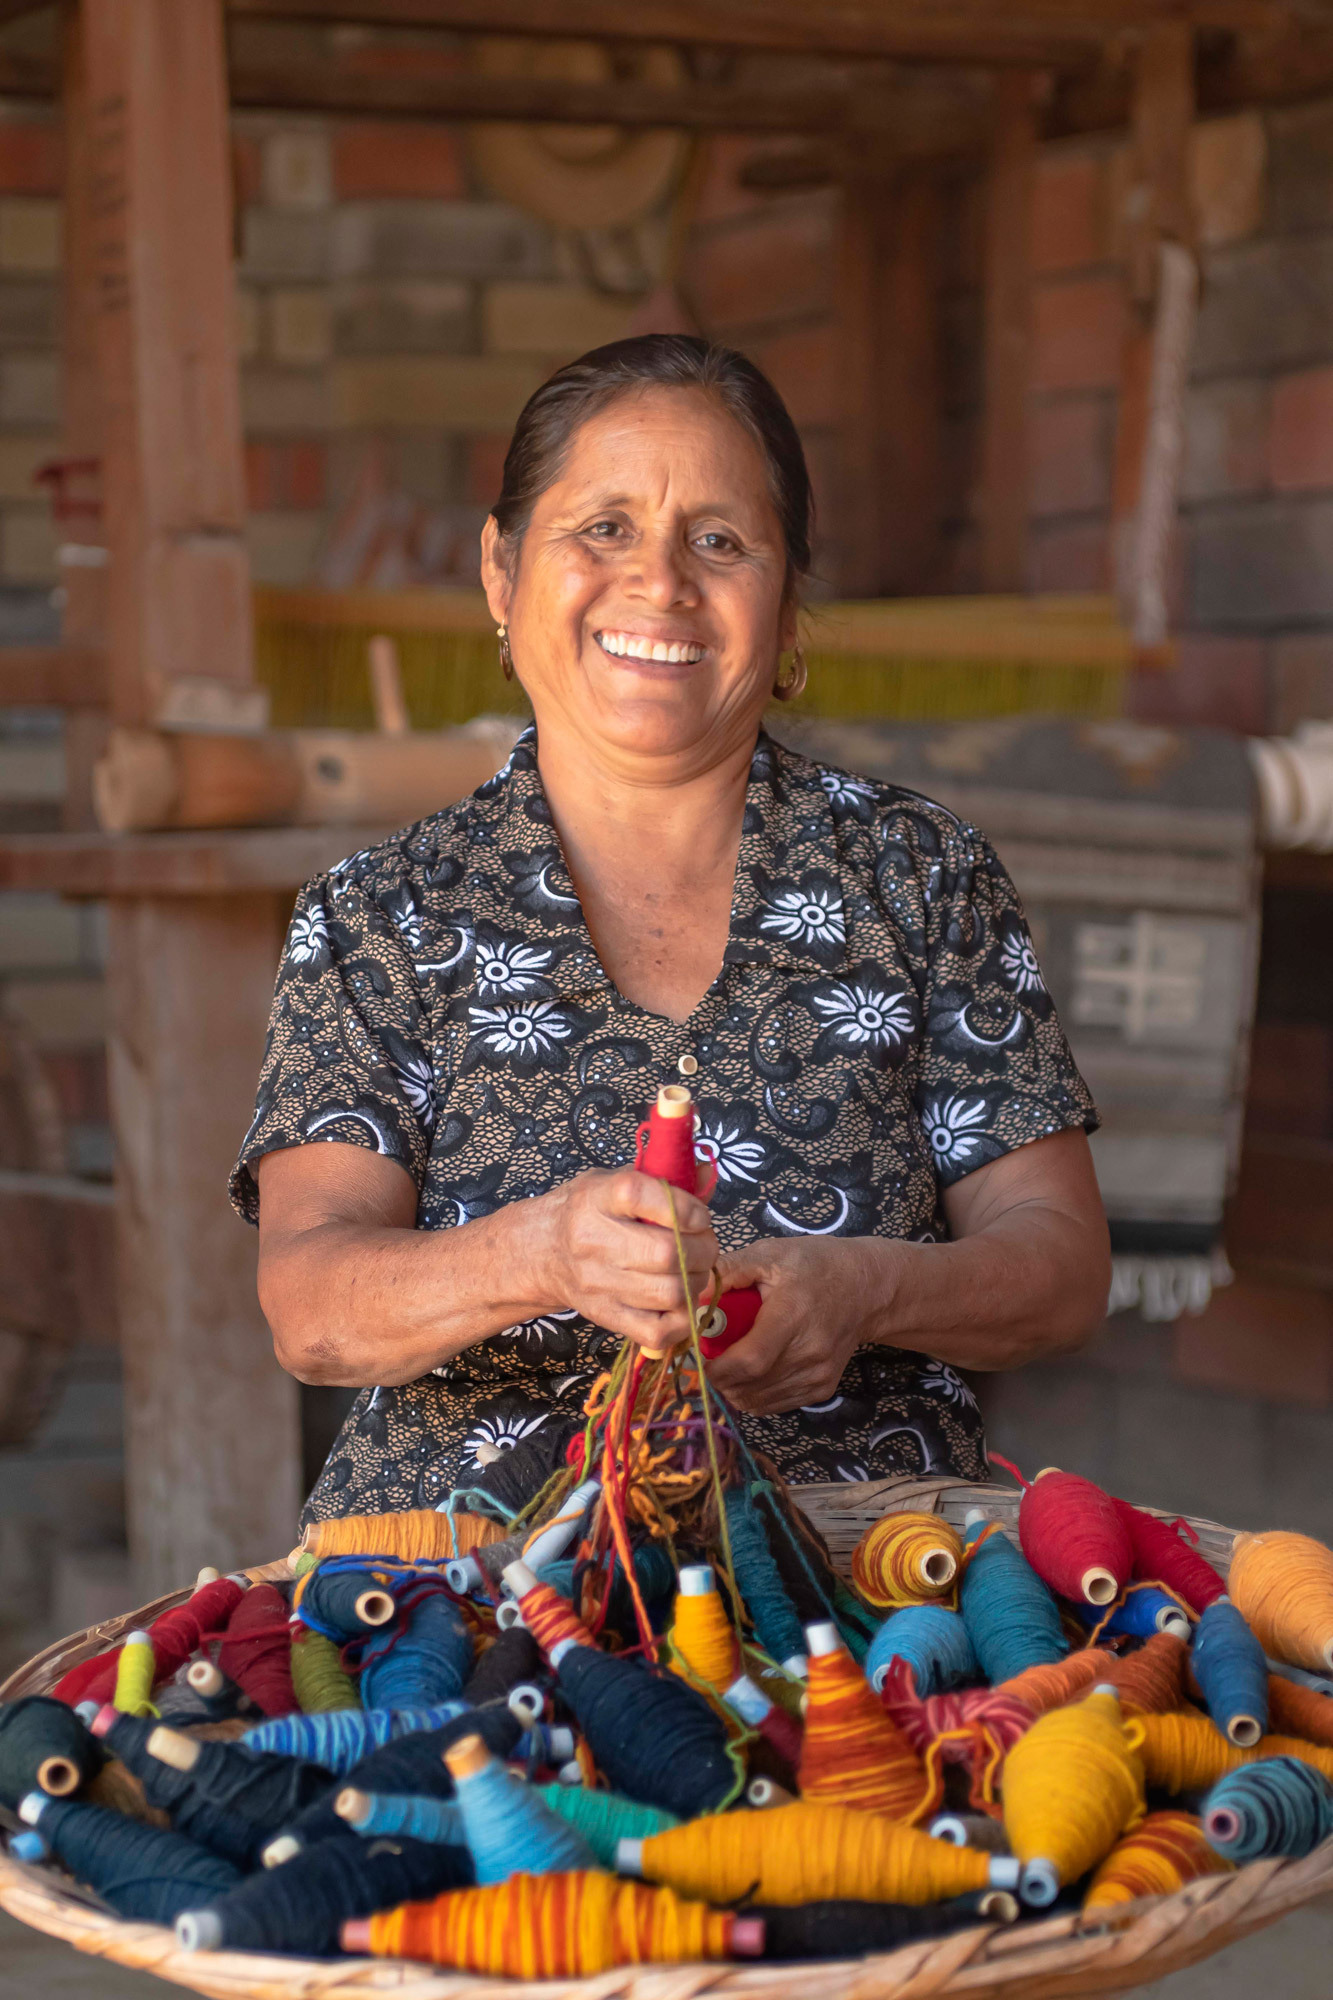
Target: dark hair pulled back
pixel 553 414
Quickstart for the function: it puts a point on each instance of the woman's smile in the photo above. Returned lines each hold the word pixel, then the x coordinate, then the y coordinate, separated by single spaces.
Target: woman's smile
pixel 640 646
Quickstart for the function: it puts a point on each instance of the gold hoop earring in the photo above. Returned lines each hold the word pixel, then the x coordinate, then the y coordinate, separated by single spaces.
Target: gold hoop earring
pixel 788 687
pixel 506 657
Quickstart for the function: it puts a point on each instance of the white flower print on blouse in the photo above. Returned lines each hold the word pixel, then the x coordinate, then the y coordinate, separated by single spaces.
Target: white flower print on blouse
pixel 416 1080
pixel 848 796
pixel 807 912
pixel 499 1432
pixel 723 1140
pixel 308 940
pixel 528 1034
pixel 864 1014
pixel 955 1130
pixel 1018 962
pixel 504 965
pixel 408 923
pixel 938 1379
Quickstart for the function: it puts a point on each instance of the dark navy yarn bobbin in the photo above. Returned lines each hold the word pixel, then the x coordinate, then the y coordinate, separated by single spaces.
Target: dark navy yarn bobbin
pixel 512 1657
pixel 232 1801
pixel 35 1728
pixel 844 1929
pixel 301 1906
pixel 651 1735
pixel 329 1600
pixel 1275 1807
pixel 777 1622
pixel 1231 1670
pixel 425 1661
pixel 1011 1617
pixel 412 1765
pixel 143 1872
pixel 516 1476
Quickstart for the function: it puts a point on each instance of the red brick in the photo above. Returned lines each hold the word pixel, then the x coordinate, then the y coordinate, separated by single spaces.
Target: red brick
pixel 378 161
pixel 1217 679
pixel 1227 431
pixel 1271 1341
pixel 1070 557
pixel 1069 213
pixel 31 156
pixel 1077 331
pixel 485 466
pixel 802 368
pixel 1301 440
pixel 1070 455
pixel 1290 1086
pixel 776 267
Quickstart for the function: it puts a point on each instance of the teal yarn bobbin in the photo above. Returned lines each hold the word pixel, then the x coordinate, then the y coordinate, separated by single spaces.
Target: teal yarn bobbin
pixel 934 1642
pixel 1011 1617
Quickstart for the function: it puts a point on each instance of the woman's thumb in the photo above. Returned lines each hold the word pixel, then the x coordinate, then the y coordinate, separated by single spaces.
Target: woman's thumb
pixel 738 1268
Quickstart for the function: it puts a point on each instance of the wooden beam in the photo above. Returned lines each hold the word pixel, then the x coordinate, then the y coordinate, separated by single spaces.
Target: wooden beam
pixel 52 677
pixel 169 865
pixel 1007 334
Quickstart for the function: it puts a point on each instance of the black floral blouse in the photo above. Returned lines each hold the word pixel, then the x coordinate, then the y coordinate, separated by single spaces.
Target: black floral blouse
pixel 879 1028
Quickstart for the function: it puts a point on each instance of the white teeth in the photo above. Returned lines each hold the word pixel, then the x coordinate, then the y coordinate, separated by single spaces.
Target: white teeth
pixel 623 645
pixel 661 652
pixel 674 652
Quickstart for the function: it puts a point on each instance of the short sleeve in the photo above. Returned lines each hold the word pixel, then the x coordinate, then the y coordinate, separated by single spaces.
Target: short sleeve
pixel 346 1057
pixel 996 1070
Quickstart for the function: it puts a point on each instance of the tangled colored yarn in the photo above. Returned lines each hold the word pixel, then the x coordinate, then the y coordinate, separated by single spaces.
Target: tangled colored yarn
pixel 907 1559
pixel 977 1727
pixel 1164 1852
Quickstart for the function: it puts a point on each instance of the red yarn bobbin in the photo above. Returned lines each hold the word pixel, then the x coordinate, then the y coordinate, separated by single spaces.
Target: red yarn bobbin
pixel 175 1635
pixel 256 1651
pixel 1074 1537
pixel 548 1616
pixel 1162 1555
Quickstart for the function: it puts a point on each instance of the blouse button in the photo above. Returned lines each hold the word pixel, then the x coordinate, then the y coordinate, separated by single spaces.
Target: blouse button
pixel 688 1065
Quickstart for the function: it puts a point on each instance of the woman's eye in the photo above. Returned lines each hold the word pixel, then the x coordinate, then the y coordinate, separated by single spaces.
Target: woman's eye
pixel 715 541
pixel 603 530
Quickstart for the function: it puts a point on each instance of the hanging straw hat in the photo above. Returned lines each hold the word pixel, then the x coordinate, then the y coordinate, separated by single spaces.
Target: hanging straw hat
pixel 577 176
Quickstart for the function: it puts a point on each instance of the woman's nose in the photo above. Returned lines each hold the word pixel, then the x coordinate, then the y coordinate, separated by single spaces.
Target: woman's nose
pixel 661 573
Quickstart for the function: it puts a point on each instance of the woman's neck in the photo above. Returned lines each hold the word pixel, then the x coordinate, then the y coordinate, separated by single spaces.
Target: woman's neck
pixel 651 849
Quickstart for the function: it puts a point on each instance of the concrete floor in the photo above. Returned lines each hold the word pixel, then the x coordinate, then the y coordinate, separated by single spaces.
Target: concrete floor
pixel 1291 1961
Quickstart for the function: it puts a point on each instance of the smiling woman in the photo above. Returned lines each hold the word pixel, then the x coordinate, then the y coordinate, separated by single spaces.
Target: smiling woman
pixel 473 1018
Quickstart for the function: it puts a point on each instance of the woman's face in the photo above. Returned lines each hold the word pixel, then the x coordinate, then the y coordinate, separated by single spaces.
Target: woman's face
pixel 646 604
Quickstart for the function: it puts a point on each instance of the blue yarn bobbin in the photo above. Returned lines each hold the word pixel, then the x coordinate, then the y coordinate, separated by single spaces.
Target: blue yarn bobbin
pixel 1011 1617
pixel 934 1642
pixel 1232 1673
pixel 1276 1806
pixel 508 1827
pixel 425 1661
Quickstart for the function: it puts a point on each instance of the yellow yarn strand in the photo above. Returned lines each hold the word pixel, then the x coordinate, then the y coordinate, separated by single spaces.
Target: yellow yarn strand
pixel 809 1853
pixel 1072 1785
pixel 1282 1585
pixel 1164 1852
pixel 1185 1752
pixel 135 1672
pixel 908 1559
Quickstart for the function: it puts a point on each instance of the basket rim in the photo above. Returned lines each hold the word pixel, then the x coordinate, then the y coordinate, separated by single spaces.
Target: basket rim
pixel 1056 1958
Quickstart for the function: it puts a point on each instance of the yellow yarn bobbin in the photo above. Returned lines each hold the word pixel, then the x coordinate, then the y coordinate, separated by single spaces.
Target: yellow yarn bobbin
pixel 1282 1586
pixel 136 1670
pixel 701 1631
pixel 1072 1785
pixel 1186 1752
pixel 908 1559
pixel 1165 1851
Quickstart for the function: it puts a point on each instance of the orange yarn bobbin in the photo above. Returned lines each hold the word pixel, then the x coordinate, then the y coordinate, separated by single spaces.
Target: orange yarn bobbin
pixel 701 1631
pixel 852 1753
pixel 1153 1678
pixel 1282 1586
pixel 908 1559
pixel 1186 1752
pixel 548 1616
pixel 554 1926
pixel 1299 1711
pixel 1164 1852
pixel 417 1535
pixel 1045 1687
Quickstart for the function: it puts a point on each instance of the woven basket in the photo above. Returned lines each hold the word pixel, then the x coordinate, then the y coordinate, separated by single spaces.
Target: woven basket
pixel 1104 1952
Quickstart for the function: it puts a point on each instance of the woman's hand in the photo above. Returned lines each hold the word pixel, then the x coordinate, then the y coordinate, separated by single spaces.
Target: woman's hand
pixel 817 1295
pixel 597 1254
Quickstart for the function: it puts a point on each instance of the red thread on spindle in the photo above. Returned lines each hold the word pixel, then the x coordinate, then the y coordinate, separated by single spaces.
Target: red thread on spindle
pixel 175 1635
pixel 256 1650
pixel 550 1618
pixel 665 1143
pixel 1073 1536
pixel 1161 1555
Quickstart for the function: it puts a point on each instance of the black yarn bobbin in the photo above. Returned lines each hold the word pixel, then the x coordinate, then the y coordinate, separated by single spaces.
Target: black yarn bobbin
pixel 143 1872
pixel 331 1597
pixel 653 1737
pixel 301 1906
pixel 232 1800
pixel 844 1929
pixel 516 1476
pixel 34 1729
pixel 512 1657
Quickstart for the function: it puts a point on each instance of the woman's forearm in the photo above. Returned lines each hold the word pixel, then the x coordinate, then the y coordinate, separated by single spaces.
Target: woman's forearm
pixel 1033 1282
pixel 351 1303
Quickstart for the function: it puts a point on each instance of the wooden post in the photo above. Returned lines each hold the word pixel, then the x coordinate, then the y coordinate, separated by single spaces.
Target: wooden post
pixel 211 1421
pixel 889 367
pixel 1008 315
pixel 1158 239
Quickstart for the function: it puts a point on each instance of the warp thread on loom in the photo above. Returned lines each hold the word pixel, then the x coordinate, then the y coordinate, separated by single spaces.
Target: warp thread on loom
pixel 319 1678
pixel 1162 1555
pixel 44 1746
pixel 555 1926
pixel 256 1649
pixel 1232 1673
pixel 426 1659
pixel 417 1535
pixel 652 1736
pixel 507 1825
pixel 146 1875
pixel 1074 1537
pixel 1185 1752
pixel 1164 1852
pixel 343 1738
pixel 907 1559
pixel 302 1905
pixel 809 1853
pixel 846 1929
pixel 932 1640
pixel 1011 1617
pixel 852 1753
pixel 176 1635
pixel 1282 1585
pixel 1278 1806
pixel 1072 1786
